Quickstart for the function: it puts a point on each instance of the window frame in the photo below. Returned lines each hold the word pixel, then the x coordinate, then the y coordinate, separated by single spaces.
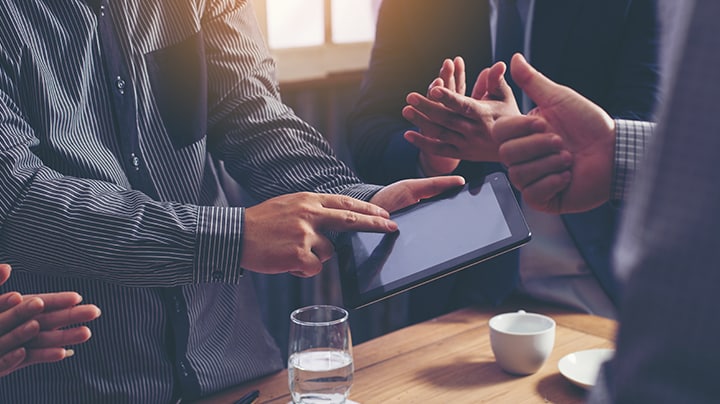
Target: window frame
pixel 315 62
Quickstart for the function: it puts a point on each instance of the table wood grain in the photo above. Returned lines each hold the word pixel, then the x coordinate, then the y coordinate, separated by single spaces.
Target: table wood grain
pixel 449 360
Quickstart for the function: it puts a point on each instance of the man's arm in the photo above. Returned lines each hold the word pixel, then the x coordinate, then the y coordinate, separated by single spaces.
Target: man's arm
pixel 85 227
pixel 265 147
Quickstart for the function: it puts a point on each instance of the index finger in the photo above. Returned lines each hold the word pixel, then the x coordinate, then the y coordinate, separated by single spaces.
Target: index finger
pixel 340 220
pixel 344 202
pixel 508 128
pixel 57 300
pixel 66 317
pixel 344 213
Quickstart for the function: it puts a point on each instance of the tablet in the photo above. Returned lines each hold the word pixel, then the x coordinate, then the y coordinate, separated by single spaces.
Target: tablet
pixel 435 238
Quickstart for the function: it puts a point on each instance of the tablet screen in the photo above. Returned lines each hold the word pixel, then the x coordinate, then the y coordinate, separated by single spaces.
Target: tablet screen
pixel 434 238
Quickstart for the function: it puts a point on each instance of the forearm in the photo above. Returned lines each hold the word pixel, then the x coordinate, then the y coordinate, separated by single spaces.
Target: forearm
pixel 65 226
pixel 264 145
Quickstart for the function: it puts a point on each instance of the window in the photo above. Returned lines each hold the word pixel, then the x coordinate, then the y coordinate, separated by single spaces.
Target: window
pixel 312 39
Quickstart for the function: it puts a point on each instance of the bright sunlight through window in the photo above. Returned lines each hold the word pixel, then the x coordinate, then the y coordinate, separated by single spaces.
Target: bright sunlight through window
pixel 315 38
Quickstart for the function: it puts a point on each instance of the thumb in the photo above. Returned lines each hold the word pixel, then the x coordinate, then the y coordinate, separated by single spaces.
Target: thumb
pixel 497 86
pixel 424 188
pixel 480 87
pixel 541 90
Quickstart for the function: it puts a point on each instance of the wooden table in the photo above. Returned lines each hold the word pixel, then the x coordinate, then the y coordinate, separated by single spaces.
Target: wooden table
pixel 449 360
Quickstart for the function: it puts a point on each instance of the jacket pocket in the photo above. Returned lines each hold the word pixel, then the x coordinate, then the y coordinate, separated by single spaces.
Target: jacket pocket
pixel 178 76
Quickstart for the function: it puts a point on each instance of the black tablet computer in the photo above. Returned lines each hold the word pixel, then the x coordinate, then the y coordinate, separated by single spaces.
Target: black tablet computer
pixel 435 237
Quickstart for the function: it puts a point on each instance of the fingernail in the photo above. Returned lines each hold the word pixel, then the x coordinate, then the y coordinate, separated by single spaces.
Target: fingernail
pixel 69 353
pixel 35 304
pixel 392 226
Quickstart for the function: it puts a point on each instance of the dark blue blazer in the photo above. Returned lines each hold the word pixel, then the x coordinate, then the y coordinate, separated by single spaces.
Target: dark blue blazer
pixel 604 49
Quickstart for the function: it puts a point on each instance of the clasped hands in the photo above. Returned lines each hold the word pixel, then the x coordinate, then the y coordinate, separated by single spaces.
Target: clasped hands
pixel 36 328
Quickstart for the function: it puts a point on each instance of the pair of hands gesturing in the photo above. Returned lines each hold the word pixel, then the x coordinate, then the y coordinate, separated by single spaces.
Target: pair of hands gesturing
pixel 454 127
pixel 559 155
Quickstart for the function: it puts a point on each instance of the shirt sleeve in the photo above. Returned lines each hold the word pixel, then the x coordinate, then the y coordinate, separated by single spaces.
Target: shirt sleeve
pixel 631 138
pixel 265 147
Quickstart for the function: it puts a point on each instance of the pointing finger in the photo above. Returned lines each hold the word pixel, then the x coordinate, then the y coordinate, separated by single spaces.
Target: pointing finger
pixel 348 203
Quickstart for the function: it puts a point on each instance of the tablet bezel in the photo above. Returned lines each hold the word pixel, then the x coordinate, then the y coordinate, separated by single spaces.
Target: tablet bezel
pixel 514 218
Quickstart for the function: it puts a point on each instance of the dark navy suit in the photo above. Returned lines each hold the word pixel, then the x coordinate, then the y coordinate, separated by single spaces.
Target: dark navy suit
pixel 604 49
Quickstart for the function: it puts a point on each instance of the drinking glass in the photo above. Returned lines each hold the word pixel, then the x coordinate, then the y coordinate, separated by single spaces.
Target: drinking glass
pixel 320 363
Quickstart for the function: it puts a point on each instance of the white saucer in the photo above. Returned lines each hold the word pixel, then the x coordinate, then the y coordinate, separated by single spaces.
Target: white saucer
pixel 582 367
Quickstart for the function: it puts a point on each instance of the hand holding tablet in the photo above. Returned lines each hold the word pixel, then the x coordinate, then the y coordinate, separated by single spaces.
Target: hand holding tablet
pixel 436 237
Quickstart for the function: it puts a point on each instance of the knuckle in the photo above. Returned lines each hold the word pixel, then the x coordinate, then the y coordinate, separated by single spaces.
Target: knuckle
pixel 306 216
pixel 300 254
pixel 347 202
pixel 306 213
pixel 351 218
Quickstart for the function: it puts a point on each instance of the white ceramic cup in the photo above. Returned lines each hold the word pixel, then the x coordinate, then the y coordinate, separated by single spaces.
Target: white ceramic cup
pixel 521 341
